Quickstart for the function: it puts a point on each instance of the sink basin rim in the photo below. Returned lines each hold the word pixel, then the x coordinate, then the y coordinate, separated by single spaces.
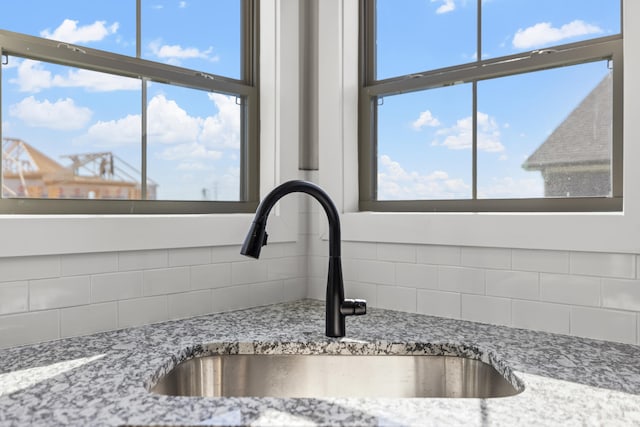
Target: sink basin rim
pixel 266 375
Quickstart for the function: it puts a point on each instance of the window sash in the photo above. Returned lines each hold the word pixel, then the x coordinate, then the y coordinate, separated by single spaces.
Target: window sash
pixel 246 89
pixel 371 90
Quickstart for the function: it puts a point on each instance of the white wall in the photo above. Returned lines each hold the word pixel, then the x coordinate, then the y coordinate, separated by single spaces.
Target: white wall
pixel 580 275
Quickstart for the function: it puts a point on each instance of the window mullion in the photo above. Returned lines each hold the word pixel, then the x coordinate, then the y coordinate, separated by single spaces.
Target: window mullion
pixel 143 140
pixel 474 141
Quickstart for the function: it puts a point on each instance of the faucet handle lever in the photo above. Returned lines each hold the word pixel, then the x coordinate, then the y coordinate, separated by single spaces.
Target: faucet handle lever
pixel 353 307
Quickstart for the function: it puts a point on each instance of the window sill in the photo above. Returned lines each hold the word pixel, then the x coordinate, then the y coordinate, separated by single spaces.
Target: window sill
pixel 28 235
pixel 599 232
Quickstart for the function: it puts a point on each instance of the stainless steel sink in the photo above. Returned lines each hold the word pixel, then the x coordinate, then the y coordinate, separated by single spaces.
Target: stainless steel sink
pixel 289 375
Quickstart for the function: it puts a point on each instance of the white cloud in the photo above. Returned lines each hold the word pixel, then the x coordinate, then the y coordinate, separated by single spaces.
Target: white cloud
pixel 191 140
pixel 175 53
pixel 425 119
pixel 33 77
pixel 170 124
pixel 395 183
pixel 182 4
pixel 114 132
pixel 459 137
pixel 94 81
pixel 223 129
pixel 69 32
pixel 60 115
pixel 446 6
pixel 192 150
pixel 544 33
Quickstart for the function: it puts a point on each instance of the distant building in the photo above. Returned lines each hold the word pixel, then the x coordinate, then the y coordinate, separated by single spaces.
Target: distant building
pixel 28 173
pixel 575 160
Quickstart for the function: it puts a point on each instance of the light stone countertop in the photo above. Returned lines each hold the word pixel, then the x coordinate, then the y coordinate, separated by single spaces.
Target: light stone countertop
pixel 103 379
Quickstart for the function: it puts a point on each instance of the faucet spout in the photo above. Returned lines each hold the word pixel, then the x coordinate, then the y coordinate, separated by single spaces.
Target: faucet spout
pixel 337 308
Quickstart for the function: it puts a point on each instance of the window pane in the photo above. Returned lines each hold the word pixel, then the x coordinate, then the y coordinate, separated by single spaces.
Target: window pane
pixel 510 26
pixel 424 145
pixel 68 132
pixel 103 24
pixel 198 34
pixel 193 144
pixel 546 134
pixel 423 35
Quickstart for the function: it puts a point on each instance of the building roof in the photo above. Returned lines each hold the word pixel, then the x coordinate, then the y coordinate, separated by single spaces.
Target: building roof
pixel 584 137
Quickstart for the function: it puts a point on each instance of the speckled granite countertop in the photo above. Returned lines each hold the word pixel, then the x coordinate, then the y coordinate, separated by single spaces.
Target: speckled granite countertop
pixel 102 379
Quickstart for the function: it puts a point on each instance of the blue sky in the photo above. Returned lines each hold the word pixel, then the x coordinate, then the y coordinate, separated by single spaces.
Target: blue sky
pixel 424 137
pixel 193 135
pixel 424 140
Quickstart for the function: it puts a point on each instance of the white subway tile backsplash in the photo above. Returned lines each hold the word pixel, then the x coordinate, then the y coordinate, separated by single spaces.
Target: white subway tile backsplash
pixel 83 264
pixel 540 261
pixel 247 272
pixel 317 288
pixel 189 304
pixel 116 286
pixel 396 253
pixel 513 284
pixel 604 265
pixel 318 266
pixel 61 292
pixel 88 319
pixel 485 309
pixel 29 328
pixel 189 256
pixel 379 272
pixel 442 255
pixel 365 291
pixel 397 298
pixel 437 303
pixel 285 268
pixel 486 257
pixel 562 288
pixel 266 293
pixel 165 281
pixel 621 294
pixel 588 294
pixel 359 250
pixel 142 311
pixel 294 289
pixel 227 254
pixel 541 316
pixel 349 269
pixel 461 279
pixel 479 308
pixel 319 247
pixel 210 276
pixel 604 324
pixel 231 298
pixel 29 268
pixel 142 260
pixel 417 276
pixel 271 251
pixel 14 297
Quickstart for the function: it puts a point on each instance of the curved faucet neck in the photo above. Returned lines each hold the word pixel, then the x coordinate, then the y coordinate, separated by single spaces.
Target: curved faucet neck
pixel 298 186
